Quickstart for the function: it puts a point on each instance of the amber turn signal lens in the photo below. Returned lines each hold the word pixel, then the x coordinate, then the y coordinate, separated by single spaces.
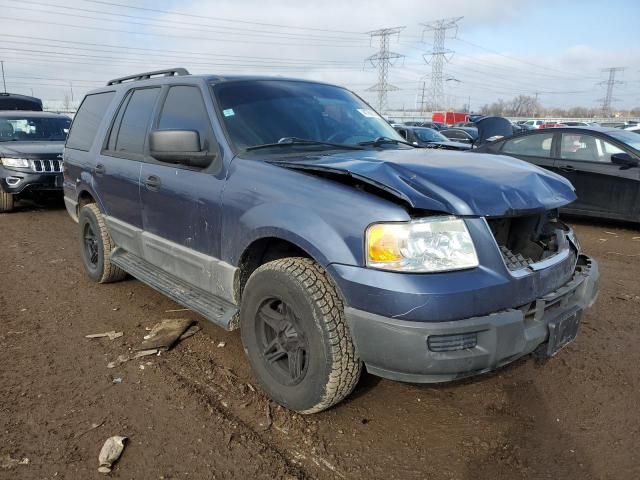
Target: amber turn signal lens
pixel 382 244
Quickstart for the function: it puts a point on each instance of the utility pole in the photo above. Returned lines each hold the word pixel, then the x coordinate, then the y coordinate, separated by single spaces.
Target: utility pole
pixel 610 83
pixel 383 60
pixel 422 104
pixel 439 55
pixel 4 83
pixel 71 86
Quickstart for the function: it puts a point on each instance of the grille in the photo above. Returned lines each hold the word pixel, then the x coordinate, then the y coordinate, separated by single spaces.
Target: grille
pixel 451 343
pixel 46 166
pixel 514 261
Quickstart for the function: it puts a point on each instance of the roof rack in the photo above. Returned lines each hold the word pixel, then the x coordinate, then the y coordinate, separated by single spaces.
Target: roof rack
pixel 147 75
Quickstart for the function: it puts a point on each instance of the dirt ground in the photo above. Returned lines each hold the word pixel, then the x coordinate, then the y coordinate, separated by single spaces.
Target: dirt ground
pixel 194 413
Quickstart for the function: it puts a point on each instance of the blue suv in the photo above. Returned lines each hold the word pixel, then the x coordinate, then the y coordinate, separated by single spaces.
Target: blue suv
pixel 291 210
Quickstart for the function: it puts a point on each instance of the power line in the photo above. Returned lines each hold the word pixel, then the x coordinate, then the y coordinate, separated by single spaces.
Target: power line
pixel 155 34
pixel 439 55
pixel 221 19
pixel 223 30
pixel 512 58
pixel 182 53
pixel 384 59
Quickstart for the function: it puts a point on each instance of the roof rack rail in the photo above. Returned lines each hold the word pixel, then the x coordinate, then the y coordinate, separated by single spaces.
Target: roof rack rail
pixel 145 76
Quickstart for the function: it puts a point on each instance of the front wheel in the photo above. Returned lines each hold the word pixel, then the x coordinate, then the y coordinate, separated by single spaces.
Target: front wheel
pixel 6 201
pixel 296 337
pixel 96 246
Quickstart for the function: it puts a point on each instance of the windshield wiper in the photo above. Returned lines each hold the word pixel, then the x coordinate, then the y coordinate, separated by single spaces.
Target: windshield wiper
pixel 288 141
pixel 384 141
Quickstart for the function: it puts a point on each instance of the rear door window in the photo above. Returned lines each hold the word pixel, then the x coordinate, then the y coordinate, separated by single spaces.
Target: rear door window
pixel 87 120
pixel 530 145
pixel 132 130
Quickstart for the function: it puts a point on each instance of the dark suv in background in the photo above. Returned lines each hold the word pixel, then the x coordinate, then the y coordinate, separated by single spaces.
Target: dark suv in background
pixel 292 210
pixel 31 145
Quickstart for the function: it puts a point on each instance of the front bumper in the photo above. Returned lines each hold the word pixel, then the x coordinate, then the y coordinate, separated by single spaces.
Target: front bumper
pixel 24 181
pixel 400 350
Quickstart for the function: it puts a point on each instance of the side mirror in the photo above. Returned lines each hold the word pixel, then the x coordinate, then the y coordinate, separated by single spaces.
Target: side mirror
pixel 179 146
pixel 624 160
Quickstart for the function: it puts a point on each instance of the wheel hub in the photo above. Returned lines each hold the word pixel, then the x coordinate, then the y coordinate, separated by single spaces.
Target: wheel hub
pixel 284 346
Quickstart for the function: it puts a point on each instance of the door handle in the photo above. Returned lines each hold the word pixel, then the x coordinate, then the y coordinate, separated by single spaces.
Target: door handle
pixel 567 168
pixel 99 169
pixel 152 182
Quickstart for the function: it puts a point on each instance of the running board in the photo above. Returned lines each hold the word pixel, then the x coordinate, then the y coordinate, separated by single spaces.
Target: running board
pixel 211 307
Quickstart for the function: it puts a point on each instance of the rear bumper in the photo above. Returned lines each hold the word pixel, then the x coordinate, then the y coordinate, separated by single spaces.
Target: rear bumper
pixel 400 350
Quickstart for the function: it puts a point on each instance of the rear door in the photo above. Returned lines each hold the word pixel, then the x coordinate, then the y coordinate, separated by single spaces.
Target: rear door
pixel 534 148
pixel 181 205
pixel 603 188
pixel 117 170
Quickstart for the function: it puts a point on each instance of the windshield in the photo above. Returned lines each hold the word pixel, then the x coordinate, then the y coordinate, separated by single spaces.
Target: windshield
pixel 629 138
pixel 33 129
pixel 260 112
pixel 428 135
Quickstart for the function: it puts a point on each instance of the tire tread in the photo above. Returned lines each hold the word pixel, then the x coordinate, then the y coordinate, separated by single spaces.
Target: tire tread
pixel 110 272
pixel 345 366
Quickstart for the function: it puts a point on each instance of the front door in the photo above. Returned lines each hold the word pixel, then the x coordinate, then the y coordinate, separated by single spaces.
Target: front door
pixel 181 206
pixel 603 188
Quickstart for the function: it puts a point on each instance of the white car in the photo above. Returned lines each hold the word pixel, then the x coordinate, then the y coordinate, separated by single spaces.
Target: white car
pixel 533 123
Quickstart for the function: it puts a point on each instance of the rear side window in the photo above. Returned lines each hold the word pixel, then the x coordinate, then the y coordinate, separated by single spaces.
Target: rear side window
pixel 530 145
pixel 131 133
pixel 184 109
pixel 87 120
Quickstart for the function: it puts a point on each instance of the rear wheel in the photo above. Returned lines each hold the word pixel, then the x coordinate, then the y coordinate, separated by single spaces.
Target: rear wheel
pixel 96 246
pixel 296 337
pixel 6 201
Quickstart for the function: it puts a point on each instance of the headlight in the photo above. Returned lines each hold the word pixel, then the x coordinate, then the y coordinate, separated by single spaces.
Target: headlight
pixel 434 244
pixel 14 162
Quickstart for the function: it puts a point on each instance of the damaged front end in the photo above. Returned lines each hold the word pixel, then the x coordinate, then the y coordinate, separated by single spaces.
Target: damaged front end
pixel 531 241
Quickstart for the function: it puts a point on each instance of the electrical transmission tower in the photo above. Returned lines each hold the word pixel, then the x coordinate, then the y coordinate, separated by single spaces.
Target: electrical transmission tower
pixel 383 60
pixel 439 55
pixel 610 83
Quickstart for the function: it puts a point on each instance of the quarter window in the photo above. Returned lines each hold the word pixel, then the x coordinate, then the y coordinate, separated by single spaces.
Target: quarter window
pixel 529 145
pixel 87 120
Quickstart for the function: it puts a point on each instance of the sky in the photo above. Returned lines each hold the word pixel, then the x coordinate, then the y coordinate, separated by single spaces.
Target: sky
pixel 59 49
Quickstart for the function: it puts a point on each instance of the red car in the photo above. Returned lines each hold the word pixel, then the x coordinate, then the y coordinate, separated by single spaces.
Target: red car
pixel 552 125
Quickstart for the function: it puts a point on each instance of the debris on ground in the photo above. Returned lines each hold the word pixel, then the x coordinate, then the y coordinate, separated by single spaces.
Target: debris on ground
pixel 110 453
pixel 192 330
pixel 117 380
pixel 164 334
pixel 90 429
pixel 177 310
pixel 120 360
pixel 112 335
pixel 222 344
pixel 146 353
pixel 7 461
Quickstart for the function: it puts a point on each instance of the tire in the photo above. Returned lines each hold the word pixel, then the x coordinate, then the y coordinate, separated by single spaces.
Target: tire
pixel 294 332
pixel 6 201
pixel 96 246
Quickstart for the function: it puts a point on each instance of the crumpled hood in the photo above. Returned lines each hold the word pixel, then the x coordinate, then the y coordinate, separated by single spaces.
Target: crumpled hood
pixel 457 183
pixel 31 149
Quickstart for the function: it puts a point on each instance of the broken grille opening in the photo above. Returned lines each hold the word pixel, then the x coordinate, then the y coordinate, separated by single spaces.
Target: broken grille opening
pixel 527 239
